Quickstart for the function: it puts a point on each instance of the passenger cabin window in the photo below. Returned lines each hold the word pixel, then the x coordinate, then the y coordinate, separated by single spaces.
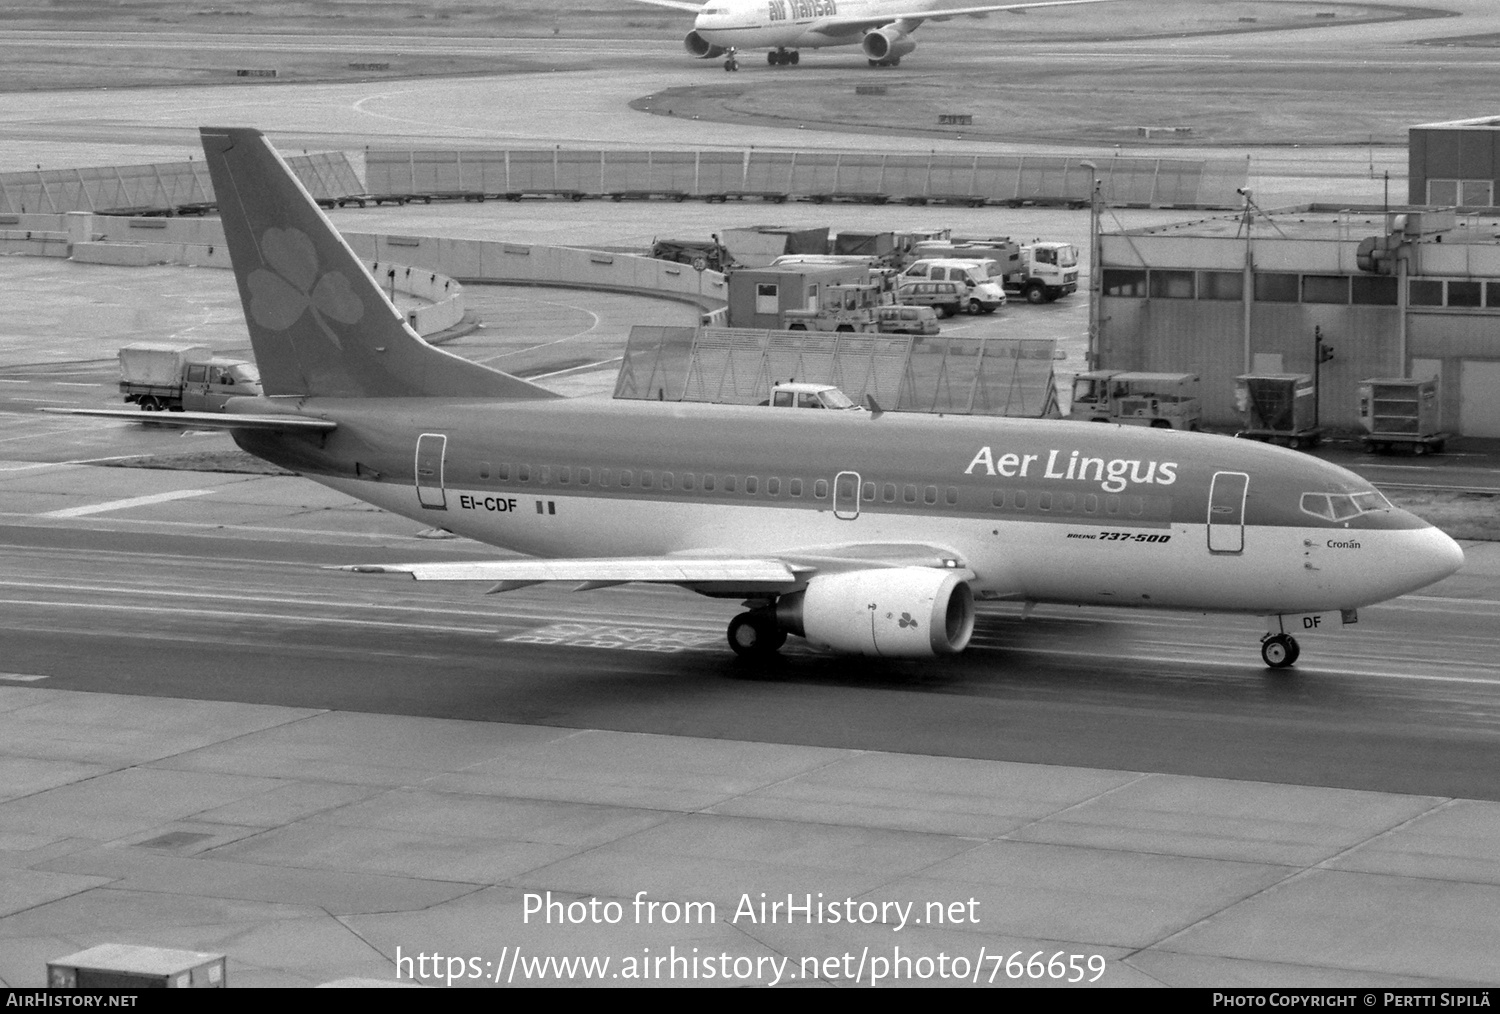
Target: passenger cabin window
pixel 820 489
pixel 773 486
pixel 484 469
pixel 930 495
pixel 523 473
pixel 751 485
pixel 585 476
pixel 564 474
pixel 795 487
pixel 687 481
pixel 952 496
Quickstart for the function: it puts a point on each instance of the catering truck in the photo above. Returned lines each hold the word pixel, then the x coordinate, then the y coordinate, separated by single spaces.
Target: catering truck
pixel 161 377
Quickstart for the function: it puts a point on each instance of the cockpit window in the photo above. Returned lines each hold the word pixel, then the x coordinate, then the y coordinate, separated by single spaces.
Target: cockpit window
pixel 1343 506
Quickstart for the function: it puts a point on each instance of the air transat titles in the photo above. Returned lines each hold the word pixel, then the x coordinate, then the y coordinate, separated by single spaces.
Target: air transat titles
pixel 781 10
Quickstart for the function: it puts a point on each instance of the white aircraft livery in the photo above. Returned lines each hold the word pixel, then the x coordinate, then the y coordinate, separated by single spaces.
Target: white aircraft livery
pixel 862 531
pixel 882 28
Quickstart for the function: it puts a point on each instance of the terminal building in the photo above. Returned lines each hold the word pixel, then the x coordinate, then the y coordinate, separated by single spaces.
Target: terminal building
pixel 1405 292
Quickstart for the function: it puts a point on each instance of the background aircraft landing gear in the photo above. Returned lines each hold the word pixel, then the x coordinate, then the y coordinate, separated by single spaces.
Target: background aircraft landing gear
pixel 1279 650
pixel 730 63
pixel 756 635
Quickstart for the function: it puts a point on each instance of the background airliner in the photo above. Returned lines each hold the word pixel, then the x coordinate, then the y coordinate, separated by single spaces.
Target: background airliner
pixel 864 532
pixel 881 27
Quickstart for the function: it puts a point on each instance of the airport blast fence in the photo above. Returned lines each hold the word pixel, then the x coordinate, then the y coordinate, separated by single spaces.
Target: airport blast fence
pixel 816 175
pixel 937 374
pixel 162 188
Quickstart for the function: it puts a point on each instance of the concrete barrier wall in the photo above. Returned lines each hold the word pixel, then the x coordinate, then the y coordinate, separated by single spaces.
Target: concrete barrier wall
pixel 533 264
pixel 426 267
pixel 34 242
pixel 1124 180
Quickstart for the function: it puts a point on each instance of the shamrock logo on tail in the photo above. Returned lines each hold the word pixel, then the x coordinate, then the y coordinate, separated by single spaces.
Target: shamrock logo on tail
pixel 280 297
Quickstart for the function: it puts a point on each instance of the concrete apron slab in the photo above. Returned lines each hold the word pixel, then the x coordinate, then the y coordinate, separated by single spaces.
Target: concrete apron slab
pixel 317 846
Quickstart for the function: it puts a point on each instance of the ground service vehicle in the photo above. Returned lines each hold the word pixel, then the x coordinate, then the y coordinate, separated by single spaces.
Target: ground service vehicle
pixel 161 377
pixel 849 307
pixel 1162 400
pixel 1040 271
pixel 868 533
pixel 982 293
pixel 804 395
pixel 944 298
pixel 906 319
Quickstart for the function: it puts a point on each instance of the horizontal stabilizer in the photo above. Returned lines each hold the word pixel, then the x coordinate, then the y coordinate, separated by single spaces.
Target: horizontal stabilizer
pixel 207 420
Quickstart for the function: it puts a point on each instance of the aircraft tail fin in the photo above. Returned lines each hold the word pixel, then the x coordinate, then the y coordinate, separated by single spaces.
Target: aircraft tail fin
pixel 319 323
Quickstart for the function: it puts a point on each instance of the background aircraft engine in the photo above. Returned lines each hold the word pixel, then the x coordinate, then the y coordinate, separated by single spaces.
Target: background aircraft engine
pixel 698 46
pixel 901 612
pixel 887 44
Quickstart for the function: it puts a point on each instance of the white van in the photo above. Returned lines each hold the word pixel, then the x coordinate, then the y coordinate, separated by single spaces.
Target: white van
pixel 980 280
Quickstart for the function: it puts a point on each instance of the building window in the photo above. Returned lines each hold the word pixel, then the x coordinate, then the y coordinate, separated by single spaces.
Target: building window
pixel 1374 290
pixel 1461 193
pixel 1325 288
pixel 1424 293
pixel 1492 293
pixel 1171 285
pixel 767 298
pixel 1275 287
pixel 1123 282
pixel 1463 293
pixel 1221 285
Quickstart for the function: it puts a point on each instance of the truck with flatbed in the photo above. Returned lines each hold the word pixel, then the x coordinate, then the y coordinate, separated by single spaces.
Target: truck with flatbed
pixel 160 377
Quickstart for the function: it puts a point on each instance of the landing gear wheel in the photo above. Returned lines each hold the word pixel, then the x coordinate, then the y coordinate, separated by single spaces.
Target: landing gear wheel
pixel 773 58
pixel 755 636
pixel 1279 650
pixel 795 58
pixel 731 64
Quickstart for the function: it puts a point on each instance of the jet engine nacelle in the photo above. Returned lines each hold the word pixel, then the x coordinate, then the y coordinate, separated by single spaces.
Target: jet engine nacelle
pixel 698 46
pixel 887 43
pixel 900 612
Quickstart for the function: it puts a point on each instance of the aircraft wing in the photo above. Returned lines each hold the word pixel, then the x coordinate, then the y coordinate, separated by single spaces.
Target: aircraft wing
pixel 206 420
pixel 779 572
pixel 918 13
pixel 677 4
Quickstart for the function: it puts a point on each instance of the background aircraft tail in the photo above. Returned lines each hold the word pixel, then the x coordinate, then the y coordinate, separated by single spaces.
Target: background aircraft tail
pixel 319 323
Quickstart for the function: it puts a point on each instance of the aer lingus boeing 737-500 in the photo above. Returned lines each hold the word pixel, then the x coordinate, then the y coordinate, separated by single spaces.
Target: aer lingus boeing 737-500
pixel 865 532
pixel 882 28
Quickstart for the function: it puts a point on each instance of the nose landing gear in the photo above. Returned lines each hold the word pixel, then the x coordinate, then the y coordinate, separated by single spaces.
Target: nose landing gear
pixel 1279 650
pixel 730 62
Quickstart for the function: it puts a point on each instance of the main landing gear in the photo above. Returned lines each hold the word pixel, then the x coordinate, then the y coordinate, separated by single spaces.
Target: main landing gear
pixel 756 634
pixel 1279 650
pixel 782 57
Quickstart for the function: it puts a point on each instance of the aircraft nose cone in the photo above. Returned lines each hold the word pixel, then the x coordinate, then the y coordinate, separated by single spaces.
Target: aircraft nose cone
pixel 1437 557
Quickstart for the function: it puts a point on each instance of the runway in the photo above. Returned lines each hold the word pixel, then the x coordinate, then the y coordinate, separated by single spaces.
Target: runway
pixel 1409 701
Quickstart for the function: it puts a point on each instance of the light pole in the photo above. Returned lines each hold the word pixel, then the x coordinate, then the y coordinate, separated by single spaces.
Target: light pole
pixel 1091 357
